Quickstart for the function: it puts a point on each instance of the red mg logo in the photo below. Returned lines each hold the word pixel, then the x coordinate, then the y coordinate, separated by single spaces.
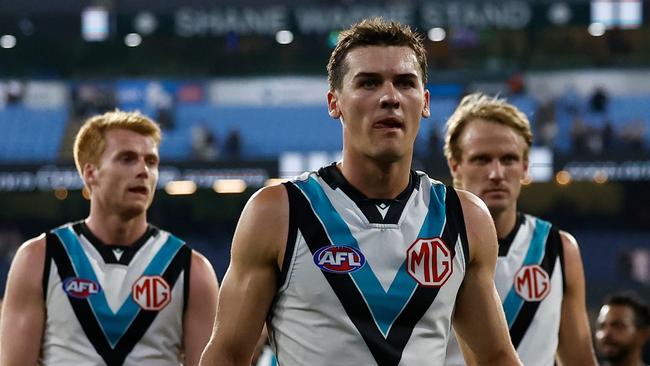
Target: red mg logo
pixel 429 262
pixel 532 283
pixel 151 292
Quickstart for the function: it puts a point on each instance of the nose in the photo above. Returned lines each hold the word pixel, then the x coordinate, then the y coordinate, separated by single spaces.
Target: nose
pixel 389 97
pixel 143 169
pixel 496 170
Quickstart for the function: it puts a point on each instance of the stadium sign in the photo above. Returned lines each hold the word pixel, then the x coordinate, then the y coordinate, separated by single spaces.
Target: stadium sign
pixel 27 178
pixel 267 20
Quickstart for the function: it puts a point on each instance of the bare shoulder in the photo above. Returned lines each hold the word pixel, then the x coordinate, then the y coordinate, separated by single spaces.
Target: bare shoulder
pixel 473 207
pixel 27 267
pixel 262 230
pixel 481 233
pixel 201 267
pixel 570 247
pixel 32 251
pixel 272 201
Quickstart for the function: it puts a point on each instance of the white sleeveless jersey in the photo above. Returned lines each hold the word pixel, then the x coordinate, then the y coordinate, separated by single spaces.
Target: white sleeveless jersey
pixel 364 281
pixel 113 305
pixel 529 278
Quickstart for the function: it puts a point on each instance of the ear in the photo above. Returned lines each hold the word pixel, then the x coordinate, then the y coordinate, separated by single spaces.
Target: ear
pixel 525 169
pixel 333 104
pixel 426 111
pixel 89 174
pixel 453 168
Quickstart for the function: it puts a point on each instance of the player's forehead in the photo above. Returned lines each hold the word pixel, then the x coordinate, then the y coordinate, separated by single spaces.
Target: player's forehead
pixel 484 136
pixel 119 140
pixel 616 313
pixel 381 61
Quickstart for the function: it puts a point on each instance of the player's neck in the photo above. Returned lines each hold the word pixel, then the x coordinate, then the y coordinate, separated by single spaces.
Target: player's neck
pixel 382 181
pixel 112 229
pixel 504 221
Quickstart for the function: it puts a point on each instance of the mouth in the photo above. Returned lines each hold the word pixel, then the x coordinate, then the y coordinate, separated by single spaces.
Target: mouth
pixel 139 190
pixel 495 191
pixel 388 123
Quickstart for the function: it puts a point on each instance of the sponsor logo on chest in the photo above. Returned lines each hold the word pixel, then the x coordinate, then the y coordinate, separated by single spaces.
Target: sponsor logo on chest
pixel 429 262
pixel 339 259
pixel 151 293
pixel 532 283
pixel 80 288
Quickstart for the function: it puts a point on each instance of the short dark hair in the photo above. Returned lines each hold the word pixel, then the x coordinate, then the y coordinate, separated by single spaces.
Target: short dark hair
pixel 373 32
pixel 638 306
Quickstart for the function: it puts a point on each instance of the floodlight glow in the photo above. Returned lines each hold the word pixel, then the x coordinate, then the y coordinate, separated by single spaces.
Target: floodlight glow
pixel 94 23
pixel 437 34
pixel 133 40
pixel 563 177
pixel 596 29
pixel 180 187
pixel 7 41
pixel 284 37
pixel 229 186
pixel 145 23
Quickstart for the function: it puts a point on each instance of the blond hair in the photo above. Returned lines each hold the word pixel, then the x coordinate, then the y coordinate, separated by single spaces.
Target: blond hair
pixel 492 109
pixel 90 142
pixel 373 32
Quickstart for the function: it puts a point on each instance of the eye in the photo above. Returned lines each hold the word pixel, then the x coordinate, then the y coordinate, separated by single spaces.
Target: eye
pixel 481 159
pixel 152 161
pixel 509 159
pixel 405 83
pixel 368 83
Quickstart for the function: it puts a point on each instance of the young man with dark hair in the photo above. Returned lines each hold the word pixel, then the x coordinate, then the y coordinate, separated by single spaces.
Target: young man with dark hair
pixel 623 326
pixel 362 261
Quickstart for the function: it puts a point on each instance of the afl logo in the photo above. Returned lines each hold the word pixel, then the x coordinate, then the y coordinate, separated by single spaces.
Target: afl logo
pixel 80 288
pixel 532 283
pixel 429 262
pixel 151 292
pixel 339 259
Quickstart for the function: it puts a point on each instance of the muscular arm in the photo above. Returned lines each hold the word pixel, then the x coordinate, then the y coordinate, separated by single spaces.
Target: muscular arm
pixel 479 321
pixel 201 308
pixel 250 282
pixel 575 346
pixel 23 312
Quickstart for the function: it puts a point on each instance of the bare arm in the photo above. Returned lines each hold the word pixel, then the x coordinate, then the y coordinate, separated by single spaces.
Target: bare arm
pixel 575 346
pixel 250 282
pixel 479 321
pixel 23 312
pixel 201 308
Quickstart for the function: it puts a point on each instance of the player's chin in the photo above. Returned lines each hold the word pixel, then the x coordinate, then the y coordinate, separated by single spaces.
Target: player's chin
pixel 388 153
pixel 134 209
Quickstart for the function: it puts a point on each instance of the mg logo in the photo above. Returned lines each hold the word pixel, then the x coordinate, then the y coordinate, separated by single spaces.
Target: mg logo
pixel 151 292
pixel 429 262
pixel 532 283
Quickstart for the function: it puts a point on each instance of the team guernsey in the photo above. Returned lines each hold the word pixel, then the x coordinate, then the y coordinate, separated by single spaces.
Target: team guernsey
pixel 530 281
pixel 366 281
pixel 114 305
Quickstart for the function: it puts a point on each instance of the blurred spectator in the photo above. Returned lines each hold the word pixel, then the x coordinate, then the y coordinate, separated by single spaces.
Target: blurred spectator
pixel 632 134
pixel 516 84
pixel 204 144
pixel 579 135
pixel 607 135
pixel 232 145
pixel 546 125
pixel 163 103
pixel 622 329
pixel 570 100
pixel 92 98
pixel 599 100
pixel 15 91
